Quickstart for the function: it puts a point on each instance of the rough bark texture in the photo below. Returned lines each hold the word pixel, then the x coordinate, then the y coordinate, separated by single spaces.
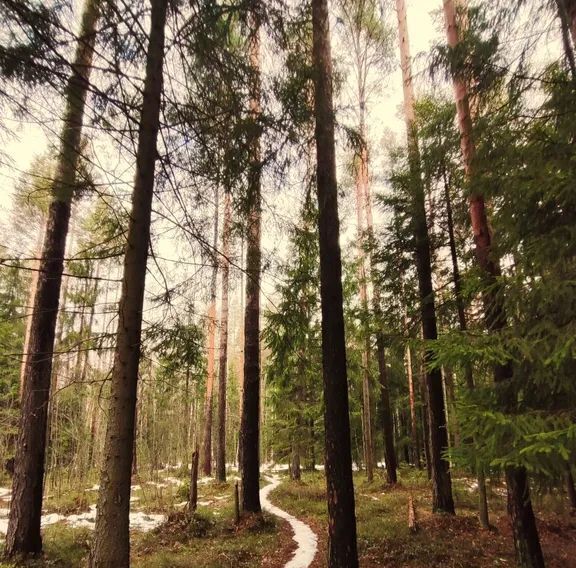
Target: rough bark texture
pixel 28 314
pixel 223 362
pixel 342 549
pixel 441 482
pixel 526 540
pixel 23 535
pixel 210 356
pixel 111 546
pixel 250 427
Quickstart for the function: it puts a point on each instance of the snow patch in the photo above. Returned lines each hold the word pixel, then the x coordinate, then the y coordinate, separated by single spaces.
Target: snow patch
pixel 139 521
pixel 304 537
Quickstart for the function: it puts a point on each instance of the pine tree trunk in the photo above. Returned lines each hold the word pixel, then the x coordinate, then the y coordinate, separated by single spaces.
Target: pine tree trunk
pixel 526 539
pixel 250 427
pixel 566 41
pixel 468 374
pixel 361 211
pixel 412 402
pixel 387 426
pixel 23 535
pixel 30 310
pixel 211 355
pixel 193 493
pixel 425 420
pixel 223 362
pixel 342 548
pixel 570 6
pixel 571 490
pixel 241 344
pixel 111 546
pixel 442 500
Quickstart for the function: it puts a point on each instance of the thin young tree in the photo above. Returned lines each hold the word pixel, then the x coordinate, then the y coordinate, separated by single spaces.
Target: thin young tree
pixel 26 508
pixel 338 453
pixel 223 361
pixel 442 500
pixel 250 425
pixel 206 453
pixel 368 41
pixel 111 546
pixel 526 539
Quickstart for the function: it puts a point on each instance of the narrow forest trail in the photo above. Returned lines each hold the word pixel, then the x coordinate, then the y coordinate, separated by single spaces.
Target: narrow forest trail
pixel 304 537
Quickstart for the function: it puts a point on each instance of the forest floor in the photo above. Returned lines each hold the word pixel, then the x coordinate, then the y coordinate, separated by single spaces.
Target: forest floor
pixel 384 539
pixel 212 540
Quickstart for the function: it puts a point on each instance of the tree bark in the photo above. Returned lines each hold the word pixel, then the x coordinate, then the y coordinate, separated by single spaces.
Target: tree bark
pixel 223 362
pixel 526 539
pixel 441 482
pixel 566 41
pixel 111 546
pixel 425 419
pixel 250 427
pixel 23 535
pixel 211 354
pixel 570 6
pixel 342 548
pixel 571 490
pixel 463 325
pixel 30 310
pixel 361 214
pixel 412 401
pixel 193 492
pixel 390 459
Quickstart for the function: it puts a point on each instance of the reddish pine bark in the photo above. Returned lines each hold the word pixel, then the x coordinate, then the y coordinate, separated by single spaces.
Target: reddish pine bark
pixel 223 362
pixel 526 539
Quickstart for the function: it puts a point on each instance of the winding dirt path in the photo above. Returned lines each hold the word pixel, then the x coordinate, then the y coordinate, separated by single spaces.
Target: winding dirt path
pixel 304 537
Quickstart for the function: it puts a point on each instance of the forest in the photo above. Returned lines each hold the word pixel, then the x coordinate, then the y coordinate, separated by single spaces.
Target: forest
pixel 287 283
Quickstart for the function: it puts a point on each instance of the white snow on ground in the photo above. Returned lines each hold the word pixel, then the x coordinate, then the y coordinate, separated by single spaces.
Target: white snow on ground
pixel 306 540
pixel 5 494
pixel 139 521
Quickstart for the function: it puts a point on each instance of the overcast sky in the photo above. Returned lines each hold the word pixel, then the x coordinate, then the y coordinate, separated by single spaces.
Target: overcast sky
pixel 31 140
